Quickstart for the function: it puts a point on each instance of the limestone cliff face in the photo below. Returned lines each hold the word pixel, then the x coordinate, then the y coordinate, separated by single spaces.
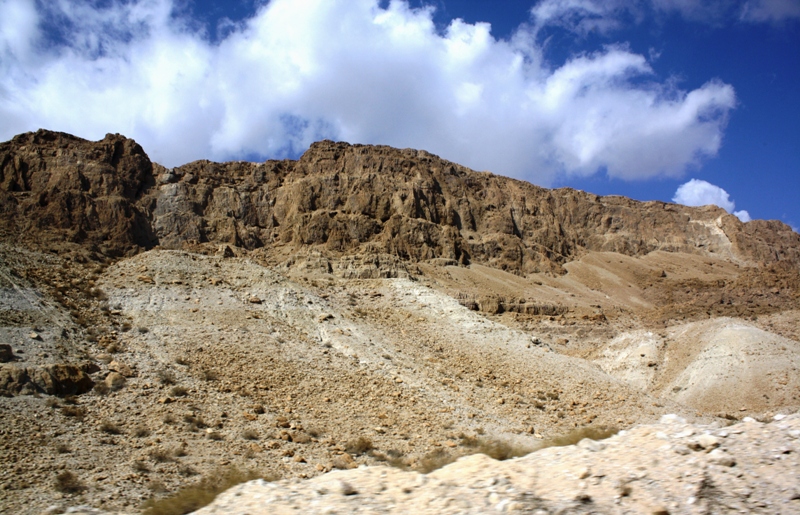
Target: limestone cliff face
pixel 345 199
pixel 56 187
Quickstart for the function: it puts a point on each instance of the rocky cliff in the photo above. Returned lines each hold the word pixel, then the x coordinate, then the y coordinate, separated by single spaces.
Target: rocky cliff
pixel 344 200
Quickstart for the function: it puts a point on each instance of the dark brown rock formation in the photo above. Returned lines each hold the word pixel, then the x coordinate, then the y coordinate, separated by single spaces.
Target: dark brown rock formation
pixel 49 379
pixel 345 200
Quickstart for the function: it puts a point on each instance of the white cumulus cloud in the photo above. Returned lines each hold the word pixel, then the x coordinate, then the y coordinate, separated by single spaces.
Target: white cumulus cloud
pixel 697 192
pixel 302 70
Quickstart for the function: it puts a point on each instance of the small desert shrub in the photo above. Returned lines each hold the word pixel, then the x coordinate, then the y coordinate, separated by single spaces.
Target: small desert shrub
pixel 249 434
pixel 98 294
pixel 157 487
pixel 207 374
pixel 496 449
pixel 194 422
pixel 165 377
pixel 63 448
pixel 186 471
pixel 194 497
pixel 360 445
pixel 392 458
pixel 110 427
pixel 67 482
pixel 141 432
pixel 75 412
pixel 160 456
pixel 395 459
pixel 435 460
pixel 573 437
pixel 52 403
pixel 178 391
pixel 169 419
pixel 501 449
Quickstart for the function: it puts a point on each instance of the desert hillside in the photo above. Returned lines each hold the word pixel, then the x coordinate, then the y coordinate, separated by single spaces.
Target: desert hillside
pixel 366 305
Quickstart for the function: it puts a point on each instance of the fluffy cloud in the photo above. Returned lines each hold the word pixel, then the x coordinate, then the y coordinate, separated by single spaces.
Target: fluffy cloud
pixel 302 70
pixel 697 192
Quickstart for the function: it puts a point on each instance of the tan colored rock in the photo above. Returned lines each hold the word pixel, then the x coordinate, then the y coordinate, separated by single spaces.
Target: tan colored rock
pixel 115 381
pixel 344 461
pixel 121 368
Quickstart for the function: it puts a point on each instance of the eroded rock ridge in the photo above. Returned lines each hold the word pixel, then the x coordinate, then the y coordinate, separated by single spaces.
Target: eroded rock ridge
pixel 346 200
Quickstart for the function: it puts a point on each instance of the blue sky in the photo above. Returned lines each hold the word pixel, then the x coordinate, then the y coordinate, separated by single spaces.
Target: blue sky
pixel 697 102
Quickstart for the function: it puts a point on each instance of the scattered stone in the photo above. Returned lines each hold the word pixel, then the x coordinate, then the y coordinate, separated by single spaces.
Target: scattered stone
pixel 344 461
pixel 115 381
pixel 6 353
pixel 720 457
pixel 707 441
pixel 591 445
pixel 121 368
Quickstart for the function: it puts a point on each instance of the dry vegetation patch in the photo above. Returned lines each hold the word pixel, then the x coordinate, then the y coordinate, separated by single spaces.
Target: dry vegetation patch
pixel 202 493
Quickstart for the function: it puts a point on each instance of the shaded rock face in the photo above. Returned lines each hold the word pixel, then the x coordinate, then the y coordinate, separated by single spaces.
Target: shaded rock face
pixel 49 379
pixel 54 186
pixel 346 200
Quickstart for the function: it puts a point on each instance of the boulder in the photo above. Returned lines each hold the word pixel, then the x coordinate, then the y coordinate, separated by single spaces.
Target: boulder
pixel 6 353
pixel 115 381
pixel 58 379
pixel 121 368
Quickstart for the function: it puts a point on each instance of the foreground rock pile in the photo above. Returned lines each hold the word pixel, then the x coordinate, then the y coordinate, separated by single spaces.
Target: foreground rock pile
pixel 667 468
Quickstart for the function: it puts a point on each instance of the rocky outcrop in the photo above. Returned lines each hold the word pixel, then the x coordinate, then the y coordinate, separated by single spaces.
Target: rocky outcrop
pixel 48 379
pixel 346 200
pixel 56 187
